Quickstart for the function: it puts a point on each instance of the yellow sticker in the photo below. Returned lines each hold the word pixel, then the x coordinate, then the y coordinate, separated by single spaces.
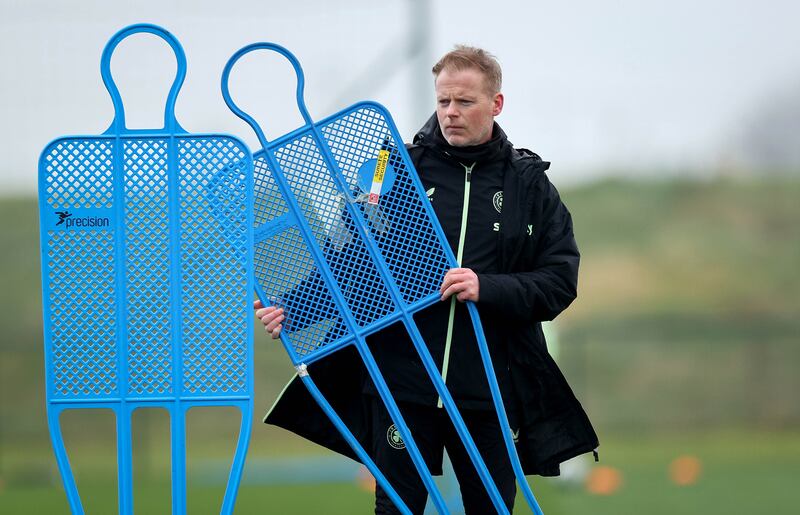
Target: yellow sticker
pixel 377 177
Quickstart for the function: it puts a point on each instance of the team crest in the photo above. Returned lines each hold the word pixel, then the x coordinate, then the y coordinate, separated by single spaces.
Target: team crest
pixel 394 438
pixel 497 201
pixel 430 193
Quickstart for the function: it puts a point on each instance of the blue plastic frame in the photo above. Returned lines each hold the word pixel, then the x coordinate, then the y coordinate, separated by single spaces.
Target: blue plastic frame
pixel 355 334
pixel 148 361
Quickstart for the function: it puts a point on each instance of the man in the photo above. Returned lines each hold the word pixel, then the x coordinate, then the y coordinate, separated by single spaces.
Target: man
pixel 513 238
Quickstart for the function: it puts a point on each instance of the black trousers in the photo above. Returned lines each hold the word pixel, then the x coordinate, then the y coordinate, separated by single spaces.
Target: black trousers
pixel 433 432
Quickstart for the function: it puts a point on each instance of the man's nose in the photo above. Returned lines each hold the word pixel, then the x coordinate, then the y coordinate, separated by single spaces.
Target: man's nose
pixel 452 110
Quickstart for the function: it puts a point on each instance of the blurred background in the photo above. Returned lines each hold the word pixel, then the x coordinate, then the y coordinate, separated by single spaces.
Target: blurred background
pixel 674 133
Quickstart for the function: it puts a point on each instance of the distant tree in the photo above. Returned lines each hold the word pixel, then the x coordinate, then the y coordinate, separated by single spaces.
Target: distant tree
pixel 770 138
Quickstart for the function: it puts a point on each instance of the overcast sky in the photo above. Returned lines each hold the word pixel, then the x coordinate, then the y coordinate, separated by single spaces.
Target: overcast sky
pixel 593 86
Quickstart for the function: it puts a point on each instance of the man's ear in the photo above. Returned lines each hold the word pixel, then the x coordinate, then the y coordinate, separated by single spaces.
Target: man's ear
pixel 497 108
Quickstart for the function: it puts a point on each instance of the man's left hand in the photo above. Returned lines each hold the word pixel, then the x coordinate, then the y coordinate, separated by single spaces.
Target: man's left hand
pixel 461 282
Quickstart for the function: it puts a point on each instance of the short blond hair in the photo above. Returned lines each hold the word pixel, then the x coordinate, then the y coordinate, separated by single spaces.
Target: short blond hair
pixel 464 57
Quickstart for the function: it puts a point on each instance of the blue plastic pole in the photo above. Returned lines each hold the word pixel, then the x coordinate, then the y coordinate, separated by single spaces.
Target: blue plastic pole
pixel 351 440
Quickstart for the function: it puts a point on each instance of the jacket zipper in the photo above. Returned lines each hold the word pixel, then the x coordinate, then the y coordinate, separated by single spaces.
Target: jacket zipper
pixel 459 259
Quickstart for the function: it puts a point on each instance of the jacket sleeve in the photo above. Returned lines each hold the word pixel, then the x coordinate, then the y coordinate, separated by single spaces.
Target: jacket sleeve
pixel 550 282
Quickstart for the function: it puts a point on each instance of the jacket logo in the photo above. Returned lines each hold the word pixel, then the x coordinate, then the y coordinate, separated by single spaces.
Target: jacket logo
pixel 528 230
pixel 515 435
pixel 497 201
pixel 394 438
pixel 430 193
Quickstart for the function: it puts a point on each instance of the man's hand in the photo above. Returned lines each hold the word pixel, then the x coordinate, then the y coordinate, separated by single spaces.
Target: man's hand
pixel 461 282
pixel 271 317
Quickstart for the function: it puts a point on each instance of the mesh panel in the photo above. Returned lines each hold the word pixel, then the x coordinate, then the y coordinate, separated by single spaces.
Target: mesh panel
pixel 269 203
pixel 81 282
pixel 82 304
pixel 79 174
pixel 310 310
pixel 406 238
pixel 147 266
pixel 410 247
pixel 147 259
pixel 215 293
pixel 323 208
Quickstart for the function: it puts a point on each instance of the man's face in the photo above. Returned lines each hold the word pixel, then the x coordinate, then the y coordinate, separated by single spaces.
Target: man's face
pixel 465 107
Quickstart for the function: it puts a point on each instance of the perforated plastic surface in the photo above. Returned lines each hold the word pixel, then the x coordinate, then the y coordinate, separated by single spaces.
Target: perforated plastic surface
pixel 146 288
pixel 102 261
pixel 402 231
pixel 347 243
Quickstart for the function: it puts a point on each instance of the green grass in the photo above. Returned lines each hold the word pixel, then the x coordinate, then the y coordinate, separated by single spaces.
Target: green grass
pixel 719 247
pixel 742 472
pixel 684 339
pixel 333 499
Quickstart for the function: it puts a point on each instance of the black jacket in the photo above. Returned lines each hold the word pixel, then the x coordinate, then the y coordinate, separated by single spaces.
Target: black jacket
pixel 537 264
pixel 472 229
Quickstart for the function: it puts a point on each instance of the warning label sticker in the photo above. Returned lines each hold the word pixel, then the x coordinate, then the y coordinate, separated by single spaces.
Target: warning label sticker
pixel 377 177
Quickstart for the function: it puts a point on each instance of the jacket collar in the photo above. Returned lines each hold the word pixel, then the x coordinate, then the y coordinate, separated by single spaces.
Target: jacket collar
pixel 430 137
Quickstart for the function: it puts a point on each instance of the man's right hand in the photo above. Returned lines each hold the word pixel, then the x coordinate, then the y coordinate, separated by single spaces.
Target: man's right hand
pixel 271 317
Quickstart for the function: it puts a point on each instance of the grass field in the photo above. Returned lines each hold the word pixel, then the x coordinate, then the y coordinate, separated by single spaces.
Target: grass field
pixel 753 472
pixel 684 340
